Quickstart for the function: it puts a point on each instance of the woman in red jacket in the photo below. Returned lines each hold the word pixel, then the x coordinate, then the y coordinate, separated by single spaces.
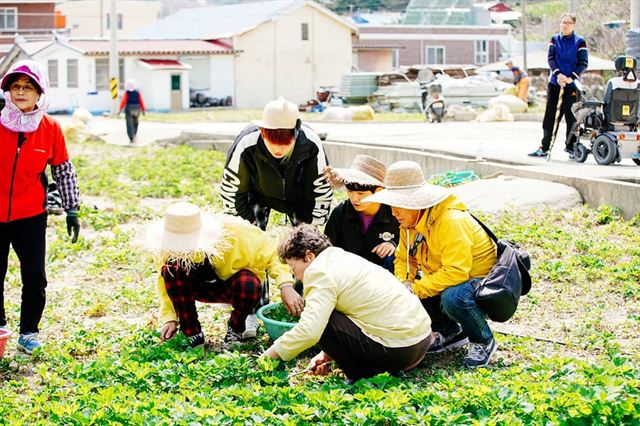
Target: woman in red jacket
pixel 29 141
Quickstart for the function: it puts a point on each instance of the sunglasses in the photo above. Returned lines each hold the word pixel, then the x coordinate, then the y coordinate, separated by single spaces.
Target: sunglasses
pixel 27 88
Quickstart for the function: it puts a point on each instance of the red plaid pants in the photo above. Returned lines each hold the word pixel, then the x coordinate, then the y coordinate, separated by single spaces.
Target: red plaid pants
pixel 241 290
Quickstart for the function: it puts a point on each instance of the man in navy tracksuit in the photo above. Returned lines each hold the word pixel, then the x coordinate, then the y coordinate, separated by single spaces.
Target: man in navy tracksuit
pixel 568 59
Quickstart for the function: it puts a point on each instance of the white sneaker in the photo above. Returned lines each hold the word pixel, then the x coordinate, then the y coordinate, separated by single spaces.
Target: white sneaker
pixel 251 327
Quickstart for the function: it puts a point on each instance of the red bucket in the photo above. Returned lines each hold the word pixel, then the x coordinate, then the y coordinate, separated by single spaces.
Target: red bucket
pixel 4 336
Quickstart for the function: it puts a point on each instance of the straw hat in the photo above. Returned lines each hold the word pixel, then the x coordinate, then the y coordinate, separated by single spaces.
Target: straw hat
pixel 186 234
pixel 279 114
pixel 364 170
pixel 406 188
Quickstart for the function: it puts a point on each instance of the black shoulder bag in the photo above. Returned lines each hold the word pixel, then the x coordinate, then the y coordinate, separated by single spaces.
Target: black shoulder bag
pixel 498 294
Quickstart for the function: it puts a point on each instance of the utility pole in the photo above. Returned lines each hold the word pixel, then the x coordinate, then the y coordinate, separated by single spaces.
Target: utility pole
pixel 572 6
pixel 524 35
pixel 113 59
pixel 633 35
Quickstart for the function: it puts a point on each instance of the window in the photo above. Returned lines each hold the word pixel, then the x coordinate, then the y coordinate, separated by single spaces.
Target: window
pixel 395 59
pixel 304 31
pixel 52 68
pixel 121 74
pixel 8 18
pixel 102 74
pixel 118 17
pixel 434 55
pixel 72 73
pixel 482 52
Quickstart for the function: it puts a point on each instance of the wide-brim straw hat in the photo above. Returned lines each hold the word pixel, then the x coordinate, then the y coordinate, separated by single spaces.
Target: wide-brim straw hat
pixel 185 234
pixel 364 170
pixel 279 114
pixel 406 187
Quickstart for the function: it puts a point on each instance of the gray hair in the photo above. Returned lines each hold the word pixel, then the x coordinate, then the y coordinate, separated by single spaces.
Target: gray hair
pixel 300 239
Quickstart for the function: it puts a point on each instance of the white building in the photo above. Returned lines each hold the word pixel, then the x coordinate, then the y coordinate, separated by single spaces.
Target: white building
pixel 282 48
pixel 79 70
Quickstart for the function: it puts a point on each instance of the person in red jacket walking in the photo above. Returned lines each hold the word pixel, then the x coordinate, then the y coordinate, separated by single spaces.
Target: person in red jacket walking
pixel 29 141
pixel 133 105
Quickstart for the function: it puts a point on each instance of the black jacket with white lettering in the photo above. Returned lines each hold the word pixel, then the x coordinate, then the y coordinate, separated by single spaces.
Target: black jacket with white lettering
pixel 254 179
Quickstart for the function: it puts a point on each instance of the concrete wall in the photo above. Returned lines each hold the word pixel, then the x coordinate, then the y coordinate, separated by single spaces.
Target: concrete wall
pixel 84 20
pixel 275 61
pixel 211 75
pixel 595 192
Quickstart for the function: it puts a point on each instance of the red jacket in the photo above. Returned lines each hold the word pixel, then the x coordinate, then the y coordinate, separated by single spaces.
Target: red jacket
pixel 125 101
pixel 22 172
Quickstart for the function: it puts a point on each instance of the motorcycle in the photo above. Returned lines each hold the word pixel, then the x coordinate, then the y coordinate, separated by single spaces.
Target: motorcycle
pixel 433 103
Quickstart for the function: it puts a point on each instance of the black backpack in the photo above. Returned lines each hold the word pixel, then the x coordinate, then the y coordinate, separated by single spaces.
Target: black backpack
pixel 499 293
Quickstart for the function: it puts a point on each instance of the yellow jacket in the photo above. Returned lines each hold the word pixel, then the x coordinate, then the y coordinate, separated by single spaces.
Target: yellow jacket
pixel 455 249
pixel 366 293
pixel 248 247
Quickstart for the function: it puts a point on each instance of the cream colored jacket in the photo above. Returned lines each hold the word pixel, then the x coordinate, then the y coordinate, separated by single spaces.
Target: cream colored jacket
pixel 368 294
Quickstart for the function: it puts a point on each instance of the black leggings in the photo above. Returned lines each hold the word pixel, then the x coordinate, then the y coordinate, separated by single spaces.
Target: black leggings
pixel 359 356
pixel 27 237
pixel 570 96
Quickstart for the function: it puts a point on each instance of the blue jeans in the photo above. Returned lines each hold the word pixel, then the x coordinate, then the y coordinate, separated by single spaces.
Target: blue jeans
pixel 459 303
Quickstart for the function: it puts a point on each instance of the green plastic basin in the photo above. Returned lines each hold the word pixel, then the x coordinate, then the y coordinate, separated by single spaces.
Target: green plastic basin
pixel 274 328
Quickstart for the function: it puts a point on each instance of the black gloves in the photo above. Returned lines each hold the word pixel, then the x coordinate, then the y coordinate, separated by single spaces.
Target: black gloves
pixel 73 225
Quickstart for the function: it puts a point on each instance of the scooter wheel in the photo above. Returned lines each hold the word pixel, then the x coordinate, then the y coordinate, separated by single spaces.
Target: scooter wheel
pixel 580 153
pixel 604 150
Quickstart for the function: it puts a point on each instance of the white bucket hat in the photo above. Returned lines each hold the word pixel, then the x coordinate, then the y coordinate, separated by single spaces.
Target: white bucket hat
pixel 186 234
pixel 406 187
pixel 364 170
pixel 279 114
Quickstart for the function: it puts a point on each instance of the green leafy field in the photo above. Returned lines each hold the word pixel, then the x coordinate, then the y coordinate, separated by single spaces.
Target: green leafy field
pixel 569 356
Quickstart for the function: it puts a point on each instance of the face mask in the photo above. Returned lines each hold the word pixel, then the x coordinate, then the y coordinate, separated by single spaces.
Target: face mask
pixel 15 120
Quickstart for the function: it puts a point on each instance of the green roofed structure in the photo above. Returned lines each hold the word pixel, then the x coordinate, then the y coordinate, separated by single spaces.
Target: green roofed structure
pixel 440 12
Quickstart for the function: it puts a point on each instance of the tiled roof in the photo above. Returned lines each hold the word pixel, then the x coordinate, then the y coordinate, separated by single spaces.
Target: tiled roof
pixel 206 23
pixel 133 47
pixel 214 22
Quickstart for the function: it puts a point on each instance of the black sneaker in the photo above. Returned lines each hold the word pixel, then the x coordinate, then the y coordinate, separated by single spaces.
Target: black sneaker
pixel 539 153
pixel 441 344
pixel 571 152
pixel 479 355
pixel 232 338
pixel 196 340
